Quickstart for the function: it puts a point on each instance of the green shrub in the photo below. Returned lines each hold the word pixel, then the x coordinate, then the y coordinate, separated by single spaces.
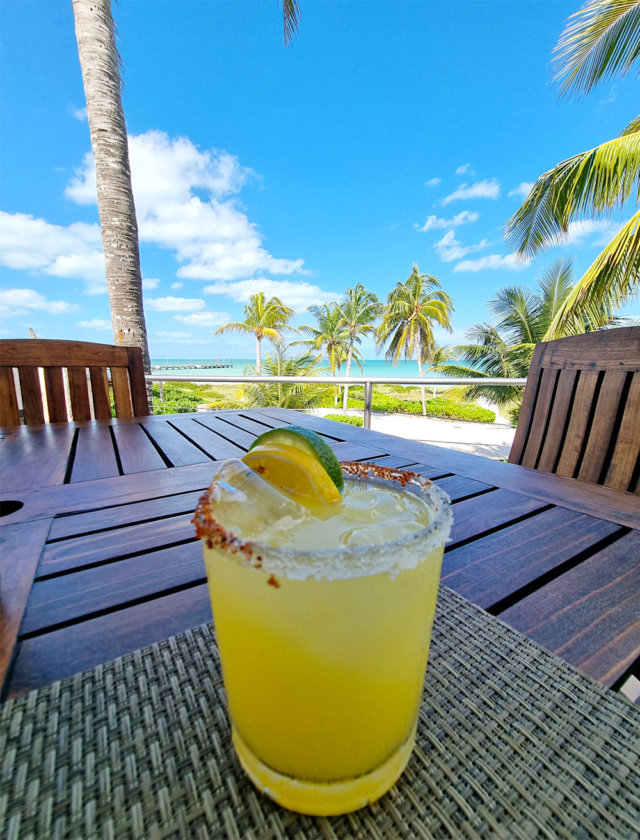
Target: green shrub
pixel 514 414
pixel 343 418
pixel 438 407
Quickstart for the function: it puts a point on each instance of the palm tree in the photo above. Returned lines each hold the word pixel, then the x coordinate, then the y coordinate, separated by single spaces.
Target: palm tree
pixel 100 65
pixel 524 318
pixel 99 62
pixel 359 311
pixel 330 335
pixel 411 310
pixel 602 38
pixel 283 394
pixel 265 319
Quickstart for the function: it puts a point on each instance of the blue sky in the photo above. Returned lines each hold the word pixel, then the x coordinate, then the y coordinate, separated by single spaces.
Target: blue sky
pixel 390 132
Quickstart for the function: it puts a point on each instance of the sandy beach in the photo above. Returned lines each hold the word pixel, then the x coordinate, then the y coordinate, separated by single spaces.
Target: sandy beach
pixel 492 440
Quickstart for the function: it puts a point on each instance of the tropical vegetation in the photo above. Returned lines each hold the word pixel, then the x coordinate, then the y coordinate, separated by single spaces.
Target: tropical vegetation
pixel 285 394
pixel 524 317
pixel 329 335
pixel 411 310
pixel 600 40
pixel 265 319
pixel 359 311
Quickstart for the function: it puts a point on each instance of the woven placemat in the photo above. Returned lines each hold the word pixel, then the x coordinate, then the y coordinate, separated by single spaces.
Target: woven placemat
pixel 512 743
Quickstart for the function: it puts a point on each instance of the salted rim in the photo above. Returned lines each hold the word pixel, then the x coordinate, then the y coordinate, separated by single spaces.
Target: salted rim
pixel 391 556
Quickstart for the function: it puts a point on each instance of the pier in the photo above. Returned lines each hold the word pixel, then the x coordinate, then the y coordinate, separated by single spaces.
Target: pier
pixel 202 366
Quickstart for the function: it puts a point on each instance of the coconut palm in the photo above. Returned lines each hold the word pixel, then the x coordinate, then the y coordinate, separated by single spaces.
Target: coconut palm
pixel 359 310
pixel 100 65
pixel 329 335
pixel 283 394
pixel 602 38
pixel 265 319
pixel 524 318
pixel 99 62
pixel 411 310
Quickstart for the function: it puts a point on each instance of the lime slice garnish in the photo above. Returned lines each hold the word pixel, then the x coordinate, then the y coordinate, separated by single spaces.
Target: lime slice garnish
pixel 307 441
pixel 295 471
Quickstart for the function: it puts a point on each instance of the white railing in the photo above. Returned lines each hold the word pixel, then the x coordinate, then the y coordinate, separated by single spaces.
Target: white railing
pixel 367 381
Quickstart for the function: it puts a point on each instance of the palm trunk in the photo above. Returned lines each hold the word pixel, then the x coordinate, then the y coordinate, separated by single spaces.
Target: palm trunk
pixel 345 398
pixel 118 225
pixel 259 356
pixel 422 388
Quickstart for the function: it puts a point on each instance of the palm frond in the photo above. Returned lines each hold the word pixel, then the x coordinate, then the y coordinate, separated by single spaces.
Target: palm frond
pixel 600 40
pixel 290 18
pixel 632 128
pixel 610 281
pixel 591 182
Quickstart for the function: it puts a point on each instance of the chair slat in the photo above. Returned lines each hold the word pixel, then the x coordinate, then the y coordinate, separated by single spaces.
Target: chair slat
pixel 558 420
pixel 31 391
pixel 137 381
pixel 627 449
pixel 528 406
pixel 577 429
pixel 56 401
pixel 9 413
pixel 100 393
pixel 78 390
pixel 602 428
pixel 121 394
pixel 539 421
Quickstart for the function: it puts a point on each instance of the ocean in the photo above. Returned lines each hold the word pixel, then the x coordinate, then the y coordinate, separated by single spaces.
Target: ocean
pixel 371 367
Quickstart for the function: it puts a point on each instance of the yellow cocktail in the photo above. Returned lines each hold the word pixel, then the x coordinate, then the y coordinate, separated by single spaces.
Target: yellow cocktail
pixel 324 631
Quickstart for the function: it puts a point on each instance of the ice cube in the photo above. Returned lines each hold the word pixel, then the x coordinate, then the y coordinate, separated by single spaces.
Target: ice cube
pixel 378 533
pixel 247 505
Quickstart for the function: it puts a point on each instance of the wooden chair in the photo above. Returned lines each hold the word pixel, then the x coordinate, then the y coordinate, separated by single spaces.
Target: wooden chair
pixel 580 414
pixel 28 355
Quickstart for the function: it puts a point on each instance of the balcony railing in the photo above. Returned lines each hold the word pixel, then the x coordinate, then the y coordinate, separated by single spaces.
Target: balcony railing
pixel 367 381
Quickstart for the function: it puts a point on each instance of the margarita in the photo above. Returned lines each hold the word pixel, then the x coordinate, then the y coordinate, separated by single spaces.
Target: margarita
pixel 323 618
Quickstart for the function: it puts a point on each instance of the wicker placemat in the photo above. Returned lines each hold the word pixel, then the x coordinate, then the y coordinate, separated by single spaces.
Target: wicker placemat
pixel 512 743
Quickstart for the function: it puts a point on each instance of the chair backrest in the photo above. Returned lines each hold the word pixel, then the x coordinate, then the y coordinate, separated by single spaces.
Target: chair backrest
pixel 580 414
pixel 85 391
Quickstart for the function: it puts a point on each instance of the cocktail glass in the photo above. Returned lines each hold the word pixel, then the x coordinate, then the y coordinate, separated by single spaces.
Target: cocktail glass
pixel 324 651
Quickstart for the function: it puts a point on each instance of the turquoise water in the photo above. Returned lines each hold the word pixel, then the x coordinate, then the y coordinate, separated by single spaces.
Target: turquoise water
pixel 371 367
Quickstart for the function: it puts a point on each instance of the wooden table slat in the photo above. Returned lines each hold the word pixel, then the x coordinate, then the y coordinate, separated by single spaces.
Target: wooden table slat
pixel 178 450
pixel 95 456
pixel 69 597
pixel 127 514
pixel 137 453
pixel 63 652
pixel 95 548
pixel 216 446
pixel 38 460
pixel 591 615
pixel 491 569
pixel 480 514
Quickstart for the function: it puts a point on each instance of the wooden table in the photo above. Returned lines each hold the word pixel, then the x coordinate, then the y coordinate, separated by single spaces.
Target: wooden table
pixel 100 558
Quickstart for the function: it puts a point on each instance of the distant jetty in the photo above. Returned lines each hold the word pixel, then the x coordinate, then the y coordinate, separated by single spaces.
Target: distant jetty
pixel 202 366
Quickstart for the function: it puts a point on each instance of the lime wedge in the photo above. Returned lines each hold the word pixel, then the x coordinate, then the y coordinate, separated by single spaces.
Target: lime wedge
pixel 295 471
pixel 307 441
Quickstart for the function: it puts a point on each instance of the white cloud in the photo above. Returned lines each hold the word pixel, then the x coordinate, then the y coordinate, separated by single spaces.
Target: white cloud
pixel 177 286
pixel 95 324
pixel 298 295
pixel 149 283
pixel 522 190
pixel 450 249
pixel 174 304
pixel 433 182
pixel 80 114
pixel 465 169
pixel 593 231
pixel 481 189
pixel 172 335
pixel 38 247
pixel 434 223
pixel 510 262
pixel 16 302
pixel 204 319
pixel 213 237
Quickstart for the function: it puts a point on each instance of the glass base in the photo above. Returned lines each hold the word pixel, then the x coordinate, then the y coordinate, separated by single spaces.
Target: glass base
pixel 324 799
